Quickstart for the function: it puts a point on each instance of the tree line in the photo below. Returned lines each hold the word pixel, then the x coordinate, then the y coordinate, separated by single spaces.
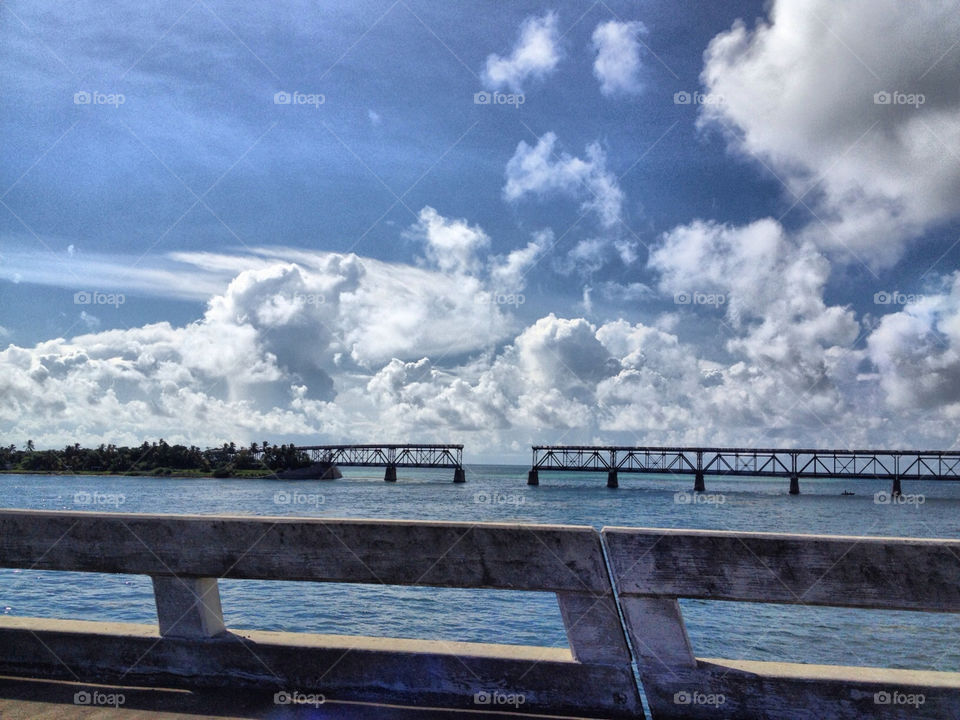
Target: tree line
pixel 154 458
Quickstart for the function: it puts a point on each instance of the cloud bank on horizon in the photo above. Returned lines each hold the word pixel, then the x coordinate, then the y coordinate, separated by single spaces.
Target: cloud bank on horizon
pixel 606 329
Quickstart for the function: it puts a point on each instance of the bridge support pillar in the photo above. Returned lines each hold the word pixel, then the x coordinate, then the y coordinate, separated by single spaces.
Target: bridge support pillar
pixel 533 477
pixel 698 485
pixel 391 474
pixel 794 485
pixel 612 479
pixel 188 607
pixel 459 475
pixel 896 492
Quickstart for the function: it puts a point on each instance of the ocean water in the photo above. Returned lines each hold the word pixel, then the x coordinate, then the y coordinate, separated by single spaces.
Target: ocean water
pixel 499 493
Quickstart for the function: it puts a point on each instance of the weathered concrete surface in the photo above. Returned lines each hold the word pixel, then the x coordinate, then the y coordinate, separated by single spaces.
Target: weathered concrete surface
pixel 430 673
pixel 654 567
pixel 188 606
pixel 185 555
pixel 792 691
pixel 866 572
pixel 549 558
pixel 593 628
pixel 23 699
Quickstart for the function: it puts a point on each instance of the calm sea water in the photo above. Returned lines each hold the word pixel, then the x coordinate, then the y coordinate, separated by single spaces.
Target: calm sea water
pixel 732 630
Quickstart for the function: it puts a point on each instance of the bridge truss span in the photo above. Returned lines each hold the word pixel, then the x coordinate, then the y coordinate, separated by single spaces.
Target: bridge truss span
pixel 792 463
pixel 390 456
pixel 436 456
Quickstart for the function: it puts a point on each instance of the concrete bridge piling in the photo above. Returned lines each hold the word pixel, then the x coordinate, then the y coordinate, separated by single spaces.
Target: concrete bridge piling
pixel 698 483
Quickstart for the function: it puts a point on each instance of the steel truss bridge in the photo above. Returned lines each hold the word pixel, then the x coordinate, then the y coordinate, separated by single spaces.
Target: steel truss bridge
pixel 895 465
pixel 390 457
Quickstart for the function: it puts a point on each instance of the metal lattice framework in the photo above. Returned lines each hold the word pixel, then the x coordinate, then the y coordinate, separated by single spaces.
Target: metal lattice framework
pixel 435 456
pixel 889 464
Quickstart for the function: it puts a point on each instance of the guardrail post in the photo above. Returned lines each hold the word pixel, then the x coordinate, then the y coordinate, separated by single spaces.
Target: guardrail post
pixel 188 607
pixel 593 628
pixel 657 633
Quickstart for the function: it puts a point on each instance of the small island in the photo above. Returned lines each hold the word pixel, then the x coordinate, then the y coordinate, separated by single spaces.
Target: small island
pixel 158 458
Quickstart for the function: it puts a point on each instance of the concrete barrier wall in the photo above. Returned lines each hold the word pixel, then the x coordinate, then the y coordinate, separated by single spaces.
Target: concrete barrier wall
pixel 185 555
pixel 651 569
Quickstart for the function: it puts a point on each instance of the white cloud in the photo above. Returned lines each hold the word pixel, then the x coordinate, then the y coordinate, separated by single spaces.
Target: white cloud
pixel 768 291
pixel 798 92
pixel 617 65
pixel 586 257
pixel 92 322
pixel 629 292
pixel 166 277
pixel 917 353
pixel 535 55
pixel 451 245
pixel 539 171
pixel 509 273
pixel 335 346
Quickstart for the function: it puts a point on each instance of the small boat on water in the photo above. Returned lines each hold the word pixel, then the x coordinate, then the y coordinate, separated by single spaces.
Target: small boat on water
pixel 847 492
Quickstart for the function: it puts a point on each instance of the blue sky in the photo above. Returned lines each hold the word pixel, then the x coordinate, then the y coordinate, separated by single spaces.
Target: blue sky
pixel 326 270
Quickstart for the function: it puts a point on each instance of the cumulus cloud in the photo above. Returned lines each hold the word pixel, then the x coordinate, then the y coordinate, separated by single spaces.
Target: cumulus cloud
pixel 509 273
pixel 617 65
pixel 292 332
pixel 539 171
pixel 326 345
pixel 916 352
pixel 452 245
pixel 535 55
pixel 767 289
pixel 798 91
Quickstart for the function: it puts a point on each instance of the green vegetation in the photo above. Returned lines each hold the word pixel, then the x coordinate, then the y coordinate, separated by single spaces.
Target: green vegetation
pixel 159 459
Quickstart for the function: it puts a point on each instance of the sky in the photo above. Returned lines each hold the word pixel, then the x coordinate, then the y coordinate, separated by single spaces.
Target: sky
pixel 640 223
